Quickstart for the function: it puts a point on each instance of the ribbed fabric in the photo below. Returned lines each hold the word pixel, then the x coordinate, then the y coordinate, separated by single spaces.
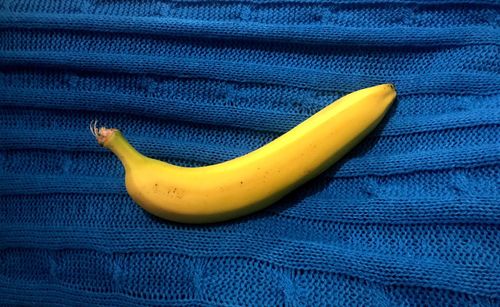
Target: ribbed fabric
pixel 410 218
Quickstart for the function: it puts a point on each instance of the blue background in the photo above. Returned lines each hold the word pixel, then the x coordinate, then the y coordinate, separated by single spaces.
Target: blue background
pixel 410 217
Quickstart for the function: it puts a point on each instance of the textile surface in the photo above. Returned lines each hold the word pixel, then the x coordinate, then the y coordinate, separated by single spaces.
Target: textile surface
pixel 411 217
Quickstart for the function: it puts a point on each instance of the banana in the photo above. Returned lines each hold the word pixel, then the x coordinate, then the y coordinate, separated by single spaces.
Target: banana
pixel 248 183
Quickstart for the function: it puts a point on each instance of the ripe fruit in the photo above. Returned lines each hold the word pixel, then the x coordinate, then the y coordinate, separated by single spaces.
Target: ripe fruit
pixel 253 181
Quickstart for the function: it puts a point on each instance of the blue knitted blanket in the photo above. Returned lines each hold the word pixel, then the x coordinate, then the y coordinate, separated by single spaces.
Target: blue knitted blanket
pixel 410 217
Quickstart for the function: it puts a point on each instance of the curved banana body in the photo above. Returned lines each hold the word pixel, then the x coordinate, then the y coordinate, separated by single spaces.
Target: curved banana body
pixel 253 181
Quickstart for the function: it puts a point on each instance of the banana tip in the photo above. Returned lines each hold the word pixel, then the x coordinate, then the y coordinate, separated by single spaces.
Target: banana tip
pixel 101 134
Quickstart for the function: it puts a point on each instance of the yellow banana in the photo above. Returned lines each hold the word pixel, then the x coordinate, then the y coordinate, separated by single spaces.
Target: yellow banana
pixel 253 181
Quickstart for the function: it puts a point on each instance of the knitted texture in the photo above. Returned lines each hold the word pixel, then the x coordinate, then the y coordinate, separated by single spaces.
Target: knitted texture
pixel 411 217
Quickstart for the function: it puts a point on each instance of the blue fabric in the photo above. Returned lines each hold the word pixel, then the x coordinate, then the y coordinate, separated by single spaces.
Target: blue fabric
pixel 410 217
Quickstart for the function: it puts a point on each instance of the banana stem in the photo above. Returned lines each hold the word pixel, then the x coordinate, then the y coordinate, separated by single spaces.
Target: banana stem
pixel 114 140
